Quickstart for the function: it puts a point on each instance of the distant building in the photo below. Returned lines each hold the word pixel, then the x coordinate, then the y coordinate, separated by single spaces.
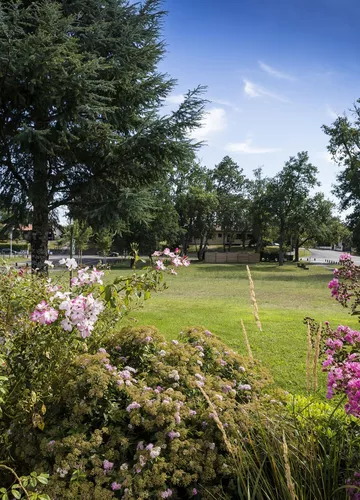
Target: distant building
pixel 54 232
pixel 233 238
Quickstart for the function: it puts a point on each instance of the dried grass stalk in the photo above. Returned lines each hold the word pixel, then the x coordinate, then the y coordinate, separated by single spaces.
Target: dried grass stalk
pixel 218 423
pixel 308 358
pixel 247 342
pixel 289 480
pixel 316 357
pixel 253 299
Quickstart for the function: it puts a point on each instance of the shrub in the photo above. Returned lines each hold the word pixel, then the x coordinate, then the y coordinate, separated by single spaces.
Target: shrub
pixel 117 413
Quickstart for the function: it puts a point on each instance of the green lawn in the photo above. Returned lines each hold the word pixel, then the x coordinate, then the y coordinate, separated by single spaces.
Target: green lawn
pixel 217 297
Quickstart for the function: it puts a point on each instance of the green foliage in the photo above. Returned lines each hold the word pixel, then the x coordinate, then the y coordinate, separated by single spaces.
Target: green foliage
pixel 343 146
pixel 81 83
pixel 80 232
pixel 24 486
pixel 104 239
pixel 287 192
pixel 17 247
pixel 196 202
pixel 229 182
pixel 68 402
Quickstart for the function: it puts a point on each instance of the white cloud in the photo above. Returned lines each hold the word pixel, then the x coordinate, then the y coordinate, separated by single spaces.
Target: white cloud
pixel 274 72
pixel 331 113
pixel 213 121
pixel 175 99
pixel 325 156
pixel 222 102
pixel 253 90
pixel 247 148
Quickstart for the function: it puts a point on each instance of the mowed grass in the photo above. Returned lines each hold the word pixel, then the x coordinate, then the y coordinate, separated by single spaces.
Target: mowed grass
pixel 217 297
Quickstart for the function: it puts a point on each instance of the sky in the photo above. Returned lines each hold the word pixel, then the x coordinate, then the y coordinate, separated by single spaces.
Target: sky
pixel 276 71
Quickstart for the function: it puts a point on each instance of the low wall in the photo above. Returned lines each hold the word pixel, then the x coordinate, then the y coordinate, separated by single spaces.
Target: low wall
pixel 231 257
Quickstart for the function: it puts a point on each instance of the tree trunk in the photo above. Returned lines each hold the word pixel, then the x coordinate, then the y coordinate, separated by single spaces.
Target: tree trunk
pixel 40 225
pixel 281 248
pixel 224 242
pixel 297 247
pixel 244 239
pixel 202 248
pixel 258 245
pixel 185 245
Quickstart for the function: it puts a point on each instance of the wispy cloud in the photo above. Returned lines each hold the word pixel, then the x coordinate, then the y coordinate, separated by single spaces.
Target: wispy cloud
pixel 222 102
pixel 247 148
pixel 274 72
pixel 253 90
pixel 175 99
pixel 213 121
pixel 331 113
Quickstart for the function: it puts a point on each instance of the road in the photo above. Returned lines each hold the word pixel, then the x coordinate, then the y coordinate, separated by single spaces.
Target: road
pixel 326 256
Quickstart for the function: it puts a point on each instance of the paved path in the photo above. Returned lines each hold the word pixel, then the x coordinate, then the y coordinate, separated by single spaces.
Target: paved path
pixel 326 256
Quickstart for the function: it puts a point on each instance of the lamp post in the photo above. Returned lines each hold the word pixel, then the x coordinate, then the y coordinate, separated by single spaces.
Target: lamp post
pixel 11 238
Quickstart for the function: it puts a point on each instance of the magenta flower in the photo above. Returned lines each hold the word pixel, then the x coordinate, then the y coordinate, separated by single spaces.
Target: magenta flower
pixel 115 486
pixel 173 434
pixel 107 465
pixel 334 286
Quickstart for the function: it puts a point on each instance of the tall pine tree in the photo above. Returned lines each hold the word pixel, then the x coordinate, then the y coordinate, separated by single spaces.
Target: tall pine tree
pixel 80 95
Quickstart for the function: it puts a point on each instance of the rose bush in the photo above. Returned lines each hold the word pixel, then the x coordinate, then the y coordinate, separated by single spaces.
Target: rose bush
pixel 112 413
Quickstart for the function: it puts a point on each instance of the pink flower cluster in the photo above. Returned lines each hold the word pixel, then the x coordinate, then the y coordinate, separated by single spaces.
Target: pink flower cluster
pixel 334 287
pixel 81 313
pixel 349 274
pixel 87 278
pixel 343 345
pixel 173 257
pixel 343 363
pixel 44 314
pixel 345 257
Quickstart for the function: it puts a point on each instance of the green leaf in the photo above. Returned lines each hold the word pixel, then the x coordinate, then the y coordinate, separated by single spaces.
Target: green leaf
pixel 42 480
pixel 16 493
pixel 33 482
pixel 108 293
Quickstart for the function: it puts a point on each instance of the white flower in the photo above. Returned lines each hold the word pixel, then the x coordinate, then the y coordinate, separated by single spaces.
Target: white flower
pixel 71 264
pixel 49 263
pixel 155 452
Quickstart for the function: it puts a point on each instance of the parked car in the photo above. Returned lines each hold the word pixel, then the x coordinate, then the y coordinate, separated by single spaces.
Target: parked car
pixel 114 254
pixel 7 251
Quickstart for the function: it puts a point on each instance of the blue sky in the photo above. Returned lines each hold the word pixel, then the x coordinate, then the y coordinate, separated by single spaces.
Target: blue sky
pixel 275 70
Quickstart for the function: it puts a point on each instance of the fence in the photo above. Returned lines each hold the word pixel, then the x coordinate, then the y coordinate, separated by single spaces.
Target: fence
pixel 231 257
